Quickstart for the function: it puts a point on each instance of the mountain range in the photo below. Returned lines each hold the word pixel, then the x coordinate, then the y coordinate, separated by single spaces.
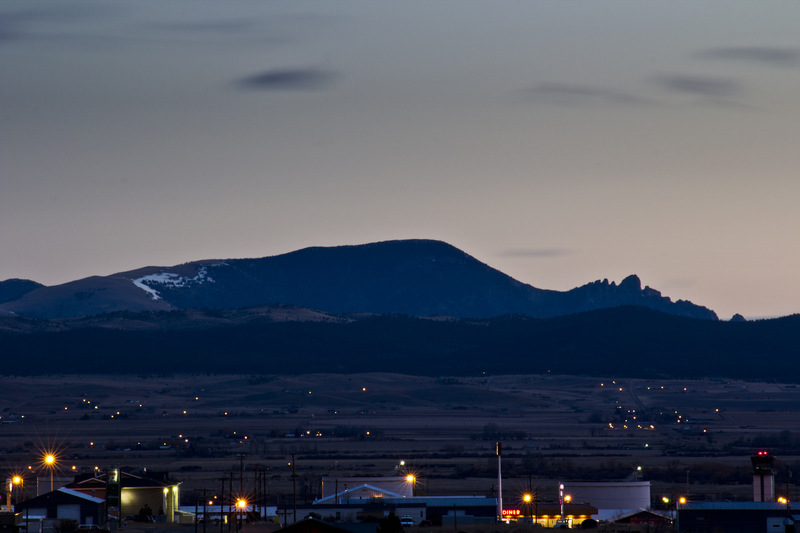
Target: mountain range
pixel 416 307
pixel 418 278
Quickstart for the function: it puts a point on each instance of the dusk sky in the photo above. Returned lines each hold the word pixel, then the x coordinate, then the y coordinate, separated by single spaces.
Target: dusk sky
pixel 560 142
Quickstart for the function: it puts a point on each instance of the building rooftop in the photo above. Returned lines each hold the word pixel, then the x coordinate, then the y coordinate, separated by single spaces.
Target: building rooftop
pixel 732 506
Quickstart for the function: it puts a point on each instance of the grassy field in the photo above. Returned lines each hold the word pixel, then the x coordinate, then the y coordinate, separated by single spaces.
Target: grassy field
pixel 690 437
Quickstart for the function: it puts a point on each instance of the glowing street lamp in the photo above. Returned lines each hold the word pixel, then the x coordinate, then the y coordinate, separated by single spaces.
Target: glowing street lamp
pixel 15 480
pixel 526 499
pixel 411 479
pixel 241 504
pixel 49 461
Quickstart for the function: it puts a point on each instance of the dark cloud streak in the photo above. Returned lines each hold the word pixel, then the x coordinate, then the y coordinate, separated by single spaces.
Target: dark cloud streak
pixel 574 94
pixel 17 24
pixel 699 85
pixel 226 26
pixel 783 57
pixel 298 79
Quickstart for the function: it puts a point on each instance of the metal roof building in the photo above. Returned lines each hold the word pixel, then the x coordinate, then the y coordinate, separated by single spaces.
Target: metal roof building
pixel 735 517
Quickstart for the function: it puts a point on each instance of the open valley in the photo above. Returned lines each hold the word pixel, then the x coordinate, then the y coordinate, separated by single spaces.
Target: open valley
pixel 689 437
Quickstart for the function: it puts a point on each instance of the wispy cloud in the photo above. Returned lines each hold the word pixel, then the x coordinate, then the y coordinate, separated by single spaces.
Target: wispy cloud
pixel 23 23
pixel 774 56
pixel 569 94
pixel 699 85
pixel 535 252
pixel 291 79
pixel 225 26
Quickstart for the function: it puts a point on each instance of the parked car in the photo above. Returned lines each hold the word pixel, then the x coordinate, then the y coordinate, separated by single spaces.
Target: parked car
pixel 406 521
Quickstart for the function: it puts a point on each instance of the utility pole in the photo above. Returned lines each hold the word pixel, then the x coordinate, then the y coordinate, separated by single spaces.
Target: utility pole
pixel 221 500
pixel 256 495
pixel 499 483
pixel 241 472
pixel 294 488
pixel 230 503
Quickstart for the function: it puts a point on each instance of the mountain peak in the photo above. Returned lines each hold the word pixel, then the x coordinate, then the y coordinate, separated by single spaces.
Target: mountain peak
pixel 417 277
pixel 631 283
pixel 14 289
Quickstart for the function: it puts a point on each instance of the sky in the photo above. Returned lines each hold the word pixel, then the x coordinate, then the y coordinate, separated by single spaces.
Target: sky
pixel 560 142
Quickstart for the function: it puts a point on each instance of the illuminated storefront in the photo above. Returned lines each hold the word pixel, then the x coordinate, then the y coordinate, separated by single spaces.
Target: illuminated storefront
pixel 548 514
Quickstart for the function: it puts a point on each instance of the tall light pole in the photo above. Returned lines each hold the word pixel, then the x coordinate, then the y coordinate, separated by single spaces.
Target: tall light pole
pixel 411 480
pixel 526 498
pixel 241 505
pixel 50 463
pixel 17 480
pixel 499 450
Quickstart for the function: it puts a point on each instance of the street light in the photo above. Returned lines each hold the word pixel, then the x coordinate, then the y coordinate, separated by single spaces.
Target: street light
pixel 49 461
pixel 14 480
pixel 17 480
pixel 411 479
pixel 526 498
pixel 241 504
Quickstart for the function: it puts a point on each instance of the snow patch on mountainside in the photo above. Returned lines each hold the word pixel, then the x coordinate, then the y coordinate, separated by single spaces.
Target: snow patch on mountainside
pixel 171 280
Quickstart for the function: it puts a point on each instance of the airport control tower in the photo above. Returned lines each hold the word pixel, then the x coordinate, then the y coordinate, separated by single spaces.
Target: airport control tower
pixel 763 477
